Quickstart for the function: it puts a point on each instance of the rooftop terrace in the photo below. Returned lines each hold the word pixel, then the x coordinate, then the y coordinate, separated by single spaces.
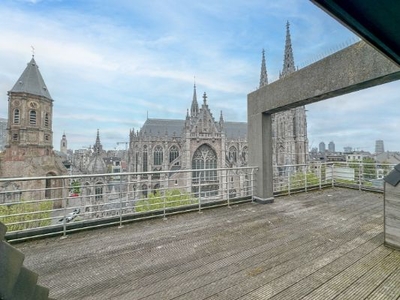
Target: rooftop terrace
pixel 316 245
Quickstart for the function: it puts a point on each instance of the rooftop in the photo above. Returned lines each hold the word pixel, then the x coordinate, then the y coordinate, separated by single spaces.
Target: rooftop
pixel 316 245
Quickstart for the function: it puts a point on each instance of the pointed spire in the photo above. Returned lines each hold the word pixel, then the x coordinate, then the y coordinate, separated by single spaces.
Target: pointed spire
pixel 97 146
pixel 31 81
pixel 288 60
pixel 194 110
pixel 263 75
pixel 221 121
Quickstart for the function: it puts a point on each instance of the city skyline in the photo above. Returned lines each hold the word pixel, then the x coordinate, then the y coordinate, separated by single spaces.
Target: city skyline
pixel 110 65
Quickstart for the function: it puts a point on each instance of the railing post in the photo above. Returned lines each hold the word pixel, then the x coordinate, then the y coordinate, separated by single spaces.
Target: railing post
pixel 120 202
pixel 64 195
pixel 360 167
pixel 332 174
pixel 200 193
pixel 164 204
pixel 252 184
pixel 305 179
pixel 227 187
pixel 320 175
pixel 289 183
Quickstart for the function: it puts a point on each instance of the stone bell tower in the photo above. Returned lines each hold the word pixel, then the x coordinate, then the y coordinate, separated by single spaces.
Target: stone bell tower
pixel 29 147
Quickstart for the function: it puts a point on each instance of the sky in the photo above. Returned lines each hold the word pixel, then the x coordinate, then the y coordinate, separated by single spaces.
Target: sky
pixel 110 64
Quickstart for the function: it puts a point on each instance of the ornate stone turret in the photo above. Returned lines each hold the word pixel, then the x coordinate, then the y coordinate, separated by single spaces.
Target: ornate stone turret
pixel 288 60
pixel 264 74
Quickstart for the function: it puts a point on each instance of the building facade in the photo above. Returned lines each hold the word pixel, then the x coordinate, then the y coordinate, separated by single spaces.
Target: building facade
pixel 196 142
pixel 29 146
pixel 202 142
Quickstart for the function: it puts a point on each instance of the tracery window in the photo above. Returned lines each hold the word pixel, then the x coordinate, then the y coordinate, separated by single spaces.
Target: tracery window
pixel 204 158
pixel 158 156
pixel 173 153
pixel 232 154
pixel 245 153
pixel 32 117
pixel 144 158
pixel 16 116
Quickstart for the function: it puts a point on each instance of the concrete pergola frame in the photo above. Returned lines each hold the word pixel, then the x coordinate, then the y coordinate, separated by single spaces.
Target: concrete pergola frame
pixel 354 68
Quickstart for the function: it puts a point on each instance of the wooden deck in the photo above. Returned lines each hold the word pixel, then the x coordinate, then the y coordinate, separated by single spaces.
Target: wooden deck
pixel 318 245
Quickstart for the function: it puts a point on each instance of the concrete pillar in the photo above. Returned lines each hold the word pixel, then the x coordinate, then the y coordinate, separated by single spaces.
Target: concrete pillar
pixel 260 155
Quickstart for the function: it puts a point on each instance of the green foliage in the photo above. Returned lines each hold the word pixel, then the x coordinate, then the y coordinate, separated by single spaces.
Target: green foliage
pixel 172 198
pixel 32 214
pixel 298 180
pixel 76 187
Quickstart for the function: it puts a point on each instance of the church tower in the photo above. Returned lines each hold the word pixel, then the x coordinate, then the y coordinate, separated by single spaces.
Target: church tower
pixel 63 144
pixel 289 128
pixel 30 116
pixel 29 149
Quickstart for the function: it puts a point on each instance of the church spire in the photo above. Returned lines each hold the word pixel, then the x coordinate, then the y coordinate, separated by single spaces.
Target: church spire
pixel 194 110
pixel 288 60
pixel 263 75
pixel 31 81
pixel 98 148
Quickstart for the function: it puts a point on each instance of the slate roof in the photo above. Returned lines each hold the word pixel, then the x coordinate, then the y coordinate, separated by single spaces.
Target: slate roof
pixel 235 130
pixel 159 127
pixel 31 81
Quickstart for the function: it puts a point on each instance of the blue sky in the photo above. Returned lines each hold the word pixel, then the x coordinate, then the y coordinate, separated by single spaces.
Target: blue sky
pixel 109 63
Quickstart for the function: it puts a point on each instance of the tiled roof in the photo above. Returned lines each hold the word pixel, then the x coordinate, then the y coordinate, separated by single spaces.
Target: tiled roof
pixel 31 81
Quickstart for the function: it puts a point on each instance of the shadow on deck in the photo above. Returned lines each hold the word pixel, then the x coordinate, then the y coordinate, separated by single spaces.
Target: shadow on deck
pixel 317 245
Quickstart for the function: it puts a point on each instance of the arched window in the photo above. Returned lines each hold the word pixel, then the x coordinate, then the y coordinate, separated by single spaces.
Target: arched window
pixel 144 158
pixel 245 153
pixel 158 156
pixel 173 153
pixel 32 117
pixel 16 116
pixel 232 154
pixel 205 158
pixel 98 191
pixel 46 120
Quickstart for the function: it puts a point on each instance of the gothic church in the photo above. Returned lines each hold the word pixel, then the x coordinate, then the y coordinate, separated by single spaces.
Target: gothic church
pixel 201 142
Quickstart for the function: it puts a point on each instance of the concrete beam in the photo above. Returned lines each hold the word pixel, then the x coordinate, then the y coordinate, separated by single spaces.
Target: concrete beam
pixel 354 68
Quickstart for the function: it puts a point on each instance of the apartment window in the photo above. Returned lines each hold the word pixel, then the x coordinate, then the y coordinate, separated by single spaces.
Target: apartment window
pixel 15 137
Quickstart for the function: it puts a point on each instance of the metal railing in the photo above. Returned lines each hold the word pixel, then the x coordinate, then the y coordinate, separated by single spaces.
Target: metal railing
pixel 41 206
pixel 289 179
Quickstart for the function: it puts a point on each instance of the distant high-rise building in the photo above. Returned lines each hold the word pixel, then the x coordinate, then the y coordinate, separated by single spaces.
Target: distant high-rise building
pixel 322 147
pixel 347 149
pixel 331 147
pixel 379 147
